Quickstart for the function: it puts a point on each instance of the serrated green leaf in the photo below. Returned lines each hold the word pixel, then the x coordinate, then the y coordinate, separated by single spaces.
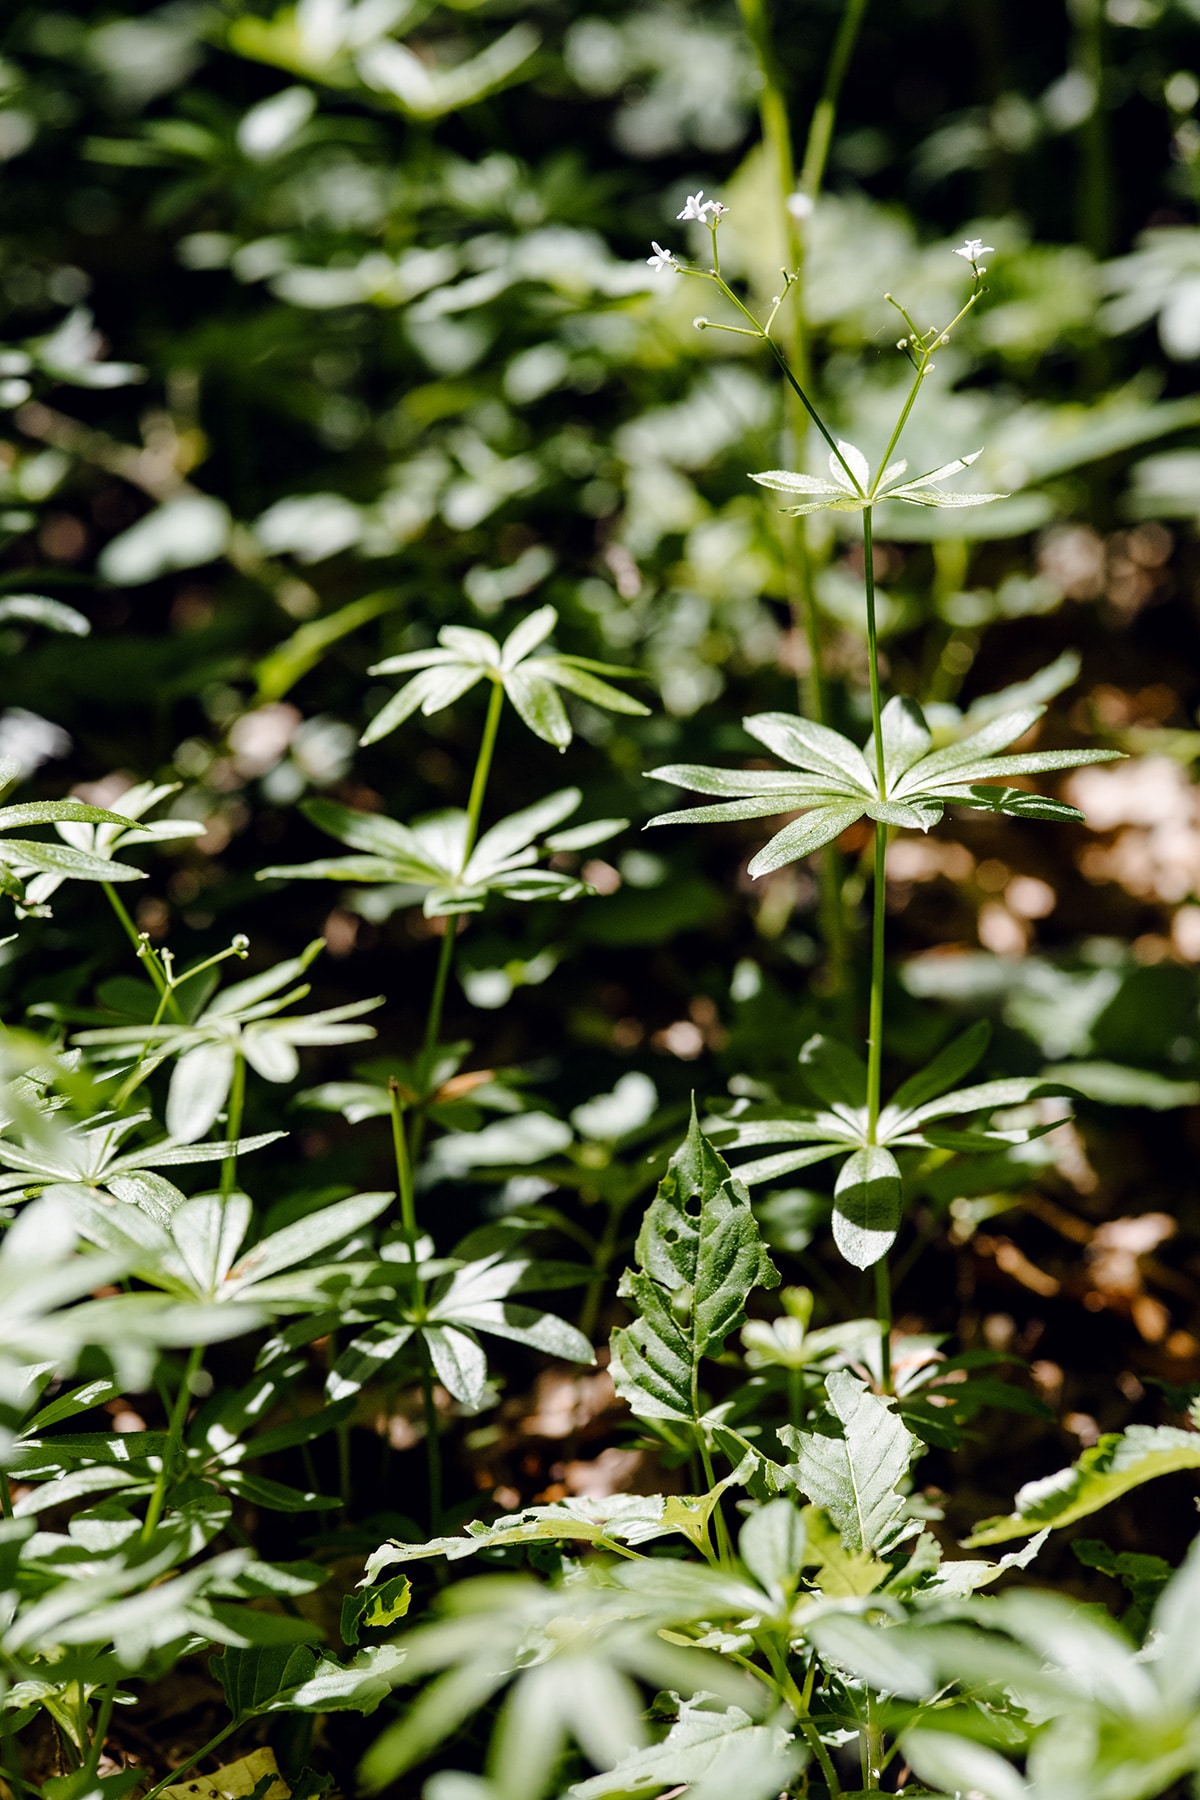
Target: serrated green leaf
pixel 854 1477
pixel 716 1751
pixel 700 1256
pixel 960 1766
pixel 773 1544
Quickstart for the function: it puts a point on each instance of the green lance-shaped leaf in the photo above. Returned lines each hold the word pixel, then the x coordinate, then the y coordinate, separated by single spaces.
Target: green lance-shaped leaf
pixel 855 1477
pixel 700 1255
pixel 1114 1465
pixel 866 1205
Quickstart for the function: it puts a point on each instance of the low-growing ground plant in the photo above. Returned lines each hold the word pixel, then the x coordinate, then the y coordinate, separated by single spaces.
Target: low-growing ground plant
pixel 236 1407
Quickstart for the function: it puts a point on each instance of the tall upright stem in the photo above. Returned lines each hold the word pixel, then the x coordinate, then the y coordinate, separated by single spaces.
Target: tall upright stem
pixel 883 1298
pixel 408 1220
pixel 479 781
pixel 820 130
pixel 875 1015
pixel 179 1412
pixel 873 646
pixel 233 1129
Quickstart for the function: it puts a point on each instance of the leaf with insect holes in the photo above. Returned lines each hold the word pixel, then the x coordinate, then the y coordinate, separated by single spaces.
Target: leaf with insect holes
pixel 700 1256
pixel 837 784
pixel 466 656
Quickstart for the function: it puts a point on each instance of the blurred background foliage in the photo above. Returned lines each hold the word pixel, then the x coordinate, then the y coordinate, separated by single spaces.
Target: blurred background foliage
pixel 325 327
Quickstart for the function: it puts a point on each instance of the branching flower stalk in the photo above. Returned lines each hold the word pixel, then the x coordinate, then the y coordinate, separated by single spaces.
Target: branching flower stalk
pixel 900 782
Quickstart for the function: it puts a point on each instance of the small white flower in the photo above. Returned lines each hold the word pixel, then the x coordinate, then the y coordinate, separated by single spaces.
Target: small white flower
pixel 697 207
pixel 973 249
pixel 800 206
pixel 662 259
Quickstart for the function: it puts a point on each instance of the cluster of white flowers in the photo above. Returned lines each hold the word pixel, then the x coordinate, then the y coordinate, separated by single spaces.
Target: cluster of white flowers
pixel 698 207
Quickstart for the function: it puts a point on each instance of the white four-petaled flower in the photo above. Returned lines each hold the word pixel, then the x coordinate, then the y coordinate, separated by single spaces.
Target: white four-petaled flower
pixel 973 249
pixel 662 259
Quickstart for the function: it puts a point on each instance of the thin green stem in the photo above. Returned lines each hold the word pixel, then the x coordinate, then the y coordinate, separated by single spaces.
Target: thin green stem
pixel 873 646
pixel 789 1692
pixel 875 1015
pixel 142 949
pixel 437 999
pixel 178 1420
pixel 883 1303
pixel 233 1127
pixel 98 1735
pixel 820 130
pixel 6 1504
pixel 724 1546
pixel 483 764
pixel 190 1762
pixel 780 356
pixel 408 1221
pixel 883 1292
pixel 602 1256
pixel 408 1208
pixel 883 1312
pixel 441 979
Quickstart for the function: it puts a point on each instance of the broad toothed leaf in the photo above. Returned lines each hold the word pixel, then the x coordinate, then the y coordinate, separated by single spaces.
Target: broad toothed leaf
pixel 855 1477
pixel 700 1256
